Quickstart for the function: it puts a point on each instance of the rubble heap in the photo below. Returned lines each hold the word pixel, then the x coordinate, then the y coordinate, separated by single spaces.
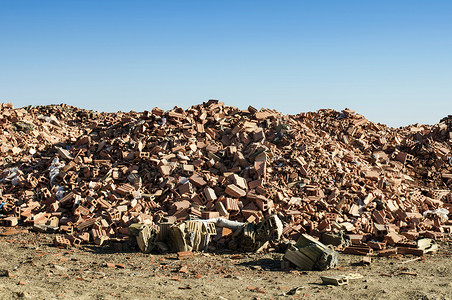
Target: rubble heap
pixel 91 175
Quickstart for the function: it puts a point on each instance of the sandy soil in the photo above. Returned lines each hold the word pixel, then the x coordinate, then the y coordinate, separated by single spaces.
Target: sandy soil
pixel 32 268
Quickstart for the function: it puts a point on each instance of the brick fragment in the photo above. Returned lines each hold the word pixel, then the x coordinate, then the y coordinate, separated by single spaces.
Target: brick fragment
pixel 234 191
pixel 8 221
pixel 197 180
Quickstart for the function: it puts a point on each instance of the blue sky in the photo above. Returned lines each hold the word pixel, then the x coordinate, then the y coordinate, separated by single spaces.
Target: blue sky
pixel 388 60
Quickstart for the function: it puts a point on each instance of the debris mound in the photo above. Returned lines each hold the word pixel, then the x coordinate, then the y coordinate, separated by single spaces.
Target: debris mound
pixel 333 175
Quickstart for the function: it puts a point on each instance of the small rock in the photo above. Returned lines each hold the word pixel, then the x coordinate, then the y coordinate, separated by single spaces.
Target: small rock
pixel 60 268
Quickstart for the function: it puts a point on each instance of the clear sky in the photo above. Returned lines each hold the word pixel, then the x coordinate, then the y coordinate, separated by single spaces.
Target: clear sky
pixel 390 60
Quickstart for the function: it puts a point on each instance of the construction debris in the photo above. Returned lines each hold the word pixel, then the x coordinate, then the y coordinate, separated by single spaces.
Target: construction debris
pixel 355 184
pixel 340 279
pixel 335 280
pixel 309 254
pixel 195 235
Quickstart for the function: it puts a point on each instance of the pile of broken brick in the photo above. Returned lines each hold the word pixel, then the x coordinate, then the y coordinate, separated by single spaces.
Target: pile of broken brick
pixel 175 176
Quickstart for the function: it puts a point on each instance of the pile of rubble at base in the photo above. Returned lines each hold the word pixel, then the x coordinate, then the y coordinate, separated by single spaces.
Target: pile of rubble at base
pixel 333 175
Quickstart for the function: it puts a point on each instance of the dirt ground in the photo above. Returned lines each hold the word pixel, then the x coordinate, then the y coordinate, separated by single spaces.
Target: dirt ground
pixel 32 268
